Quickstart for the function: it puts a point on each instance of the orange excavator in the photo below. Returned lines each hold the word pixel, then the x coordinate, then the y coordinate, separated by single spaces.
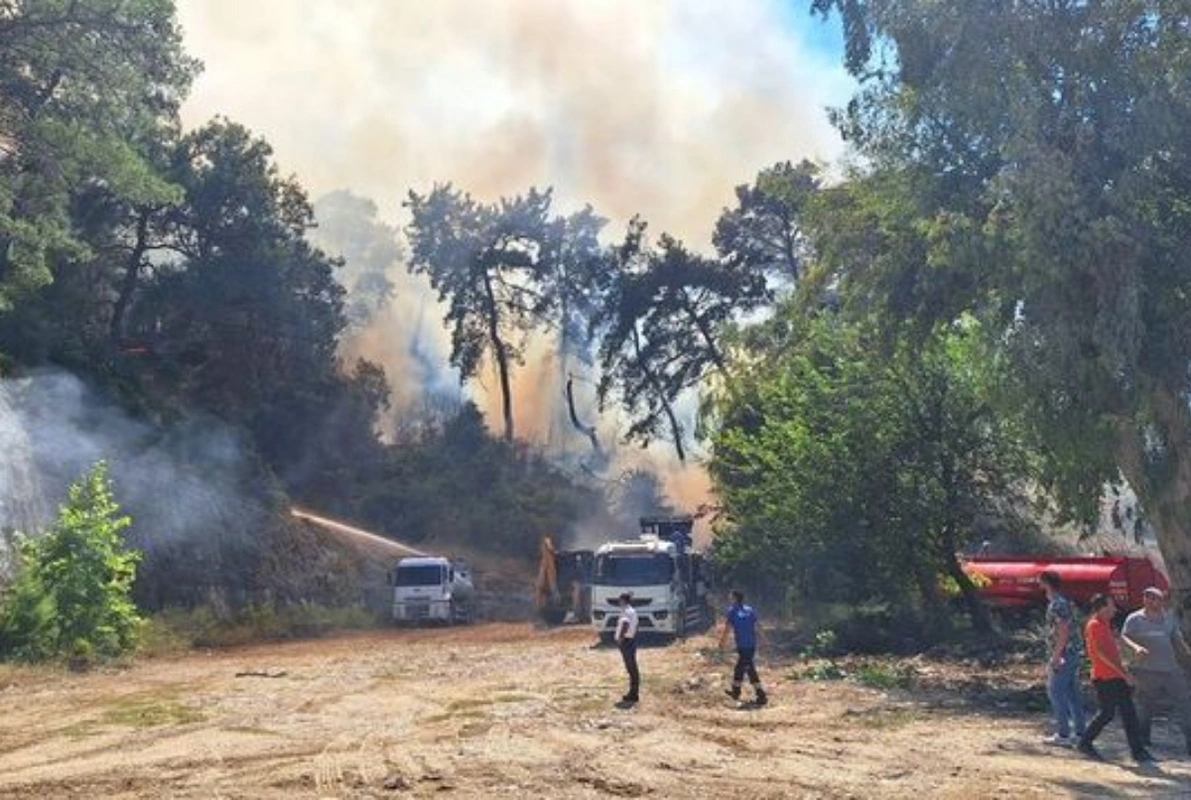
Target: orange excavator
pixel 563 589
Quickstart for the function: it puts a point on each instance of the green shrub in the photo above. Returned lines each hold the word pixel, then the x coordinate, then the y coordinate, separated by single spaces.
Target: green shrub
pixel 72 593
pixel 824 645
pixel 820 671
pixel 884 676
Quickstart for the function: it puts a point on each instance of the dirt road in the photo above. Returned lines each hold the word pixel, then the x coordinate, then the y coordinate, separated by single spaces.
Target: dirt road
pixel 506 711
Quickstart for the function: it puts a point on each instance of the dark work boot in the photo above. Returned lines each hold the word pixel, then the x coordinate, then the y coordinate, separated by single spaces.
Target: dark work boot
pixel 762 698
pixel 1089 750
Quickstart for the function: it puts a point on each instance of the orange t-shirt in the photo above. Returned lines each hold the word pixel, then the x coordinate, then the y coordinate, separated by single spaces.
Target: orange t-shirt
pixel 1098 635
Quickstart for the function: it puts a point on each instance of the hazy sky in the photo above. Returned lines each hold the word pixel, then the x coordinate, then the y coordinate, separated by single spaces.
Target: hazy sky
pixel 644 106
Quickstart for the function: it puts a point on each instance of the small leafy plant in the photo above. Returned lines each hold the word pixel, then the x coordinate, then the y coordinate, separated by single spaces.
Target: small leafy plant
pixel 71 597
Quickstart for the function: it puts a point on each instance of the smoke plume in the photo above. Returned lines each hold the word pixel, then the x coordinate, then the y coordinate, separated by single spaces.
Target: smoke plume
pixel 659 107
pixel 180 484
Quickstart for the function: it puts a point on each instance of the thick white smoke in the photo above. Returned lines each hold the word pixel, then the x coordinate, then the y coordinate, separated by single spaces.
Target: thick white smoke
pixel 178 482
pixel 656 107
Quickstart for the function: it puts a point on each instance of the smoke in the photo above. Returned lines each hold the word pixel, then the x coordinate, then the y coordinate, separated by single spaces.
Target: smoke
pixel 654 107
pixel 395 316
pixel 659 108
pixel 182 484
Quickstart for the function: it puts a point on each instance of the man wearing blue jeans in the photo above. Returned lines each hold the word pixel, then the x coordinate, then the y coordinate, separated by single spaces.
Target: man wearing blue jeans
pixel 1062 670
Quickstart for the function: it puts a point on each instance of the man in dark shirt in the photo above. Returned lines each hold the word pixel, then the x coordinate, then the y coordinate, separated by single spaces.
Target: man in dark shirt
pixel 742 621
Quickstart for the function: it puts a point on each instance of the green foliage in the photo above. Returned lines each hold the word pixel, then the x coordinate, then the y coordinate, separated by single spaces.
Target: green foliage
pixel 661 330
pixel 85 83
pixel 820 671
pixel 824 645
pixel 452 481
pixel 886 676
pixel 764 233
pixel 72 594
pixel 852 470
pixel 1037 157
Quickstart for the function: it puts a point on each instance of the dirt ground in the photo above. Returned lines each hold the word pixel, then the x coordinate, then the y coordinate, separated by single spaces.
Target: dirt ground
pixel 503 710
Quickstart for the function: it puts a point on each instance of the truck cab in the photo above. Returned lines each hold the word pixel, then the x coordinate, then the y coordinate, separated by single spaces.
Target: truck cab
pixel 668 583
pixel 431 589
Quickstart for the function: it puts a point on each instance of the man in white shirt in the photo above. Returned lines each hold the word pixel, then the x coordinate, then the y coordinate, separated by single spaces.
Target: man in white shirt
pixel 626 639
pixel 1153 635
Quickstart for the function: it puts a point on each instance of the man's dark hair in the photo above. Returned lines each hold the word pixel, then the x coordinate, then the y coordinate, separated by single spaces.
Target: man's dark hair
pixel 1097 602
pixel 626 597
pixel 1051 579
pixel 737 596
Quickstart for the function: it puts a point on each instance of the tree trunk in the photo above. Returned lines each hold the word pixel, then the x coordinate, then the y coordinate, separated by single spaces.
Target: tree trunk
pixel 675 428
pixel 587 430
pixel 132 273
pixel 1164 488
pixel 502 359
pixel 713 349
pixel 977 611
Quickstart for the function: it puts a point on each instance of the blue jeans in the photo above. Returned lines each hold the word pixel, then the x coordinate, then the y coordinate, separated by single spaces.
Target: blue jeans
pixel 1063 689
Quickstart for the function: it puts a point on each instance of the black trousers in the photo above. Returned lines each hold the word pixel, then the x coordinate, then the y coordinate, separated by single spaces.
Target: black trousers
pixel 628 651
pixel 745 664
pixel 1112 695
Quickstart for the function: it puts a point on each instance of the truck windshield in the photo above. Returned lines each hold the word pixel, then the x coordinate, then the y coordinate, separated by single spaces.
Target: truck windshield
pixel 429 575
pixel 647 569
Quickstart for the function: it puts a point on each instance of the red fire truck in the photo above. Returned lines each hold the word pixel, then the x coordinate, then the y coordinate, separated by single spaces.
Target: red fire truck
pixel 1011 583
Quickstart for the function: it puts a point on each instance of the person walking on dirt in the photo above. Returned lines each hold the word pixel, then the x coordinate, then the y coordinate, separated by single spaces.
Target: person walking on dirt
pixel 1154 637
pixel 1062 670
pixel 1112 683
pixel 626 640
pixel 742 621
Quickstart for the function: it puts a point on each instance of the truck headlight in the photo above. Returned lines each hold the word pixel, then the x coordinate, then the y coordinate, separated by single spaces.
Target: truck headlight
pixel 661 614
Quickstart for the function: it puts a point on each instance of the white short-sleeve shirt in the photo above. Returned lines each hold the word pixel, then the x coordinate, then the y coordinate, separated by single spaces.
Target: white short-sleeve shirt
pixel 629 615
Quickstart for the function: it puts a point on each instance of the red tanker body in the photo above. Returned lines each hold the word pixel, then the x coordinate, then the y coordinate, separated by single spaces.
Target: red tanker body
pixel 1012 583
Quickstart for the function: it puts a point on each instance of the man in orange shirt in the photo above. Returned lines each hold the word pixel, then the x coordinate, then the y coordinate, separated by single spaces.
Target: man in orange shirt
pixel 1111 682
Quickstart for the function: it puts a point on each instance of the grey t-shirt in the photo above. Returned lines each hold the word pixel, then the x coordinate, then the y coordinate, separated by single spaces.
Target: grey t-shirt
pixel 1154 635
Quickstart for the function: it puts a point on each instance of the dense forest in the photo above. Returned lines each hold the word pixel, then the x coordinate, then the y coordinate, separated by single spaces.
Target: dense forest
pixel 986 314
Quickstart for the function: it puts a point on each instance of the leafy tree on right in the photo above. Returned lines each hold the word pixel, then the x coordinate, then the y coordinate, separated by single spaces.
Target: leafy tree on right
pixel 1028 163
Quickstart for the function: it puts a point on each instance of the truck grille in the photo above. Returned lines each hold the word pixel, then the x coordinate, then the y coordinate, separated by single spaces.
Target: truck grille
pixel 636 602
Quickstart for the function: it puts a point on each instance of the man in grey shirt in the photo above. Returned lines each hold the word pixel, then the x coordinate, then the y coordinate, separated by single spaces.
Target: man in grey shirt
pixel 1153 635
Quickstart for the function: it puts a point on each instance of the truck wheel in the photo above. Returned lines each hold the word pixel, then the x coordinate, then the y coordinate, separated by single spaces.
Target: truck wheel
pixel 606 638
pixel 680 623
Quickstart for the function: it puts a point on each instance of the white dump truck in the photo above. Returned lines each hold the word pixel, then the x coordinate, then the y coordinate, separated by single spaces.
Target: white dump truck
pixel 432 589
pixel 668 582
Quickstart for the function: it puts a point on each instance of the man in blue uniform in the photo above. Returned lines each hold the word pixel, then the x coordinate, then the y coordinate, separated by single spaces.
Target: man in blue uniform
pixel 742 621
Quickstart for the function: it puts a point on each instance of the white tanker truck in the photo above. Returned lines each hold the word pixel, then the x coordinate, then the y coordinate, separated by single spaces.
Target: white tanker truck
pixel 432 589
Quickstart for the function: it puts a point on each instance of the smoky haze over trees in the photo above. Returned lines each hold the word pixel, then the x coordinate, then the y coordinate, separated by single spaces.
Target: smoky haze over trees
pixel 993 299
